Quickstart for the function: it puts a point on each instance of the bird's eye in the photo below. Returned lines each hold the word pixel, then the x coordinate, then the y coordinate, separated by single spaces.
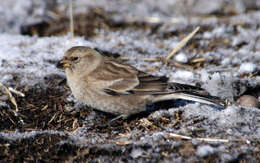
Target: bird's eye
pixel 75 58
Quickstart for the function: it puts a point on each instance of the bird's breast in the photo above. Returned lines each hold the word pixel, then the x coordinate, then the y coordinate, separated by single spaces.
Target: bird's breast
pixel 76 85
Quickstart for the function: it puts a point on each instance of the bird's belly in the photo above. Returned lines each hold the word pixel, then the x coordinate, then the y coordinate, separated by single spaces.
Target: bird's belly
pixel 118 105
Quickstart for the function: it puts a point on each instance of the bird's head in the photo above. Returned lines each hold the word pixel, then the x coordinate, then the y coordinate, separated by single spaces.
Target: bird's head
pixel 80 59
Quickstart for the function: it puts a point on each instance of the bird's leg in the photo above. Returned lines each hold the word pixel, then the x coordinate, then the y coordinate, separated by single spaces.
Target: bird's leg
pixel 115 119
pixel 108 124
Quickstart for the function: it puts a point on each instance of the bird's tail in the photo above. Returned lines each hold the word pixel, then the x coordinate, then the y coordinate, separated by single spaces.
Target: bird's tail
pixel 192 96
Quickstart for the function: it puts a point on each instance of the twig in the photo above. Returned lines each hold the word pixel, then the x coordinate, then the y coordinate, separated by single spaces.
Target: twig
pixel 197 60
pixel 174 51
pixel 71 20
pixel 181 44
pixel 16 92
pixel 44 108
pixel 152 20
pixel 122 143
pixel 53 117
pixel 172 135
pixel 9 94
pixel 220 70
pixel 182 66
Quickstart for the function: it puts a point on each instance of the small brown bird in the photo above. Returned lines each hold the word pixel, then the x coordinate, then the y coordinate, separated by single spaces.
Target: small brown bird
pixel 107 85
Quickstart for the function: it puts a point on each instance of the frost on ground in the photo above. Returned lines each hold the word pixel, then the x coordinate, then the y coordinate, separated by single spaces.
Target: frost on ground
pixel 27 60
pixel 30 59
pixel 222 58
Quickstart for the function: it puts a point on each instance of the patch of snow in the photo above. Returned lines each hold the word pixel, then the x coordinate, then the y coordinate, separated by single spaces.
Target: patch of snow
pixel 181 57
pixel 25 135
pixel 183 75
pixel 235 120
pixel 205 150
pixel 226 62
pixel 30 59
pixel 218 84
pixel 216 32
pixel 246 68
pixel 136 152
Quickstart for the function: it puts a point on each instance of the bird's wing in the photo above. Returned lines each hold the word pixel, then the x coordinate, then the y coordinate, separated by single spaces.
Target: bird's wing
pixel 149 84
pixel 114 78
pixel 119 79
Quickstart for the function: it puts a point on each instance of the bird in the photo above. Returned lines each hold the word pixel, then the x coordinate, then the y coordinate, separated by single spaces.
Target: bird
pixel 108 85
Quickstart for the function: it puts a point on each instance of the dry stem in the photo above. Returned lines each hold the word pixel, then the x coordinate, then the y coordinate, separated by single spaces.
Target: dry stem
pixel 172 135
pixel 71 20
pixel 9 94
pixel 181 44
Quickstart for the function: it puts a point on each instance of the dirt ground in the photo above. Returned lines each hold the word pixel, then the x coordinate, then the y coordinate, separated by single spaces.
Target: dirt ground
pixel 50 127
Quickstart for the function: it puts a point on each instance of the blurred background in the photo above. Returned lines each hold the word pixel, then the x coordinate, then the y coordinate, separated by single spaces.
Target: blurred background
pixel 19 16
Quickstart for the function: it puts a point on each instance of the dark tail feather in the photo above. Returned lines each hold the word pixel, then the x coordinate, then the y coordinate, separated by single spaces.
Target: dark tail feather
pixel 174 103
pixel 192 96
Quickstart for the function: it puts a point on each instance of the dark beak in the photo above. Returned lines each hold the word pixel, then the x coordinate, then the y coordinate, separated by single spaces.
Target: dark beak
pixel 62 64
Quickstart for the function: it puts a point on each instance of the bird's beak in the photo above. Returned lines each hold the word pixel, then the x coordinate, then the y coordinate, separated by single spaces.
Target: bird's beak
pixel 63 64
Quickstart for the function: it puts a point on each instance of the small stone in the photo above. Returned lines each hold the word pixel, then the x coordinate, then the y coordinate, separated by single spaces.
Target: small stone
pixel 248 101
pixel 181 57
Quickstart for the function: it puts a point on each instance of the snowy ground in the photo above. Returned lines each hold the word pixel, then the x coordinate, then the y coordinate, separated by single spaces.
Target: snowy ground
pixel 229 45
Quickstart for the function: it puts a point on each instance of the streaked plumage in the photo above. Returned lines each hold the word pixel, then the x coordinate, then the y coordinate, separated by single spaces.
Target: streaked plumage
pixel 120 89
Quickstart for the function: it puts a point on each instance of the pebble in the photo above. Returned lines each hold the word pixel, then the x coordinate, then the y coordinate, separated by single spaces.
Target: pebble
pixel 248 101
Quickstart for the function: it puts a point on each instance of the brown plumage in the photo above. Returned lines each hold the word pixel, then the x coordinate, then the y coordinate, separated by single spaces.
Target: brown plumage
pixel 120 89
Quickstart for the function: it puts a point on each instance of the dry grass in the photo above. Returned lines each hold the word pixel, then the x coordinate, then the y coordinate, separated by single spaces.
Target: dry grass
pixel 71 20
